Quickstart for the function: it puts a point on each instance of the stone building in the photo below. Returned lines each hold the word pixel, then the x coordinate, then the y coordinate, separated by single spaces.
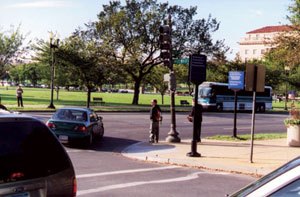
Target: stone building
pixel 257 42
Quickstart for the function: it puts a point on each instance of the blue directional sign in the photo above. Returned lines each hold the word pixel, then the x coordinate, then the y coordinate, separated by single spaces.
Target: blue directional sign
pixel 236 80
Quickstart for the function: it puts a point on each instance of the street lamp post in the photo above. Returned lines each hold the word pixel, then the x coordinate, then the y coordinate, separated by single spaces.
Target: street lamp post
pixel 287 69
pixel 53 46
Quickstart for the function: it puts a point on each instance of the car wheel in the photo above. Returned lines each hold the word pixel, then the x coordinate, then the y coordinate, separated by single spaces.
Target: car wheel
pixel 102 133
pixel 262 108
pixel 89 140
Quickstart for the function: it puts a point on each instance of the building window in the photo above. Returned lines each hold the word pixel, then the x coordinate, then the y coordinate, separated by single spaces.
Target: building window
pixel 246 52
pixel 257 36
pixel 263 51
pixel 254 51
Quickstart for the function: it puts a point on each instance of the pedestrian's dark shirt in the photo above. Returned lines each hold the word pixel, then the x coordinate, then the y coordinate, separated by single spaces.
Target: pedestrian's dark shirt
pixel 154 112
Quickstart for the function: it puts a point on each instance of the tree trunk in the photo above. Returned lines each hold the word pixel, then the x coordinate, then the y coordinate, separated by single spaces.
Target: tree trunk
pixel 162 99
pixel 57 92
pixel 136 92
pixel 88 98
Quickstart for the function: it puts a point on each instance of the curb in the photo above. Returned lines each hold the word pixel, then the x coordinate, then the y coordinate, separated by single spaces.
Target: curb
pixel 136 152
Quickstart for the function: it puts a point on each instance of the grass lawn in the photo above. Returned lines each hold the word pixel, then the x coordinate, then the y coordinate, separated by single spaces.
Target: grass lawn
pixel 39 96
pixel 263 136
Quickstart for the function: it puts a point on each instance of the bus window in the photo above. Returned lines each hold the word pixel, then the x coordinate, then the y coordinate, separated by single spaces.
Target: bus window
pixel 205 92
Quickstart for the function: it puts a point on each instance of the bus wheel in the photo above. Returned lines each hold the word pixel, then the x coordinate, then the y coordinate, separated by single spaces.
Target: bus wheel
pixel 262 108
pixel 219 107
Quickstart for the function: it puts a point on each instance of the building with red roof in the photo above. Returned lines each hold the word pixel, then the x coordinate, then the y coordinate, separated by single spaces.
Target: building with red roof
pixel 258 42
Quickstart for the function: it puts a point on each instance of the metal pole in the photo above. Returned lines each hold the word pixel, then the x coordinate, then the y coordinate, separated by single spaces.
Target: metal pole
pixel 52 78
pixel 194 152
pixel 173 134
pixel 253 113
pixel 286 91
pixel 235 111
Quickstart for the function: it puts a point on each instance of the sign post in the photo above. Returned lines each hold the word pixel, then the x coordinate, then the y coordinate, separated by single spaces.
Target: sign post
pixel 255 81
pixel 236 83
pixel 197 74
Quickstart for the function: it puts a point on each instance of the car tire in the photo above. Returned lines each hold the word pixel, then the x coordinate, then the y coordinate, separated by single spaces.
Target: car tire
pixel 89 140
pixel 102 134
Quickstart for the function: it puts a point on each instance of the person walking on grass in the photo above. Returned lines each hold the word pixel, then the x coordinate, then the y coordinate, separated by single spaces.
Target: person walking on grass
pixel 19 96
pixel 155 117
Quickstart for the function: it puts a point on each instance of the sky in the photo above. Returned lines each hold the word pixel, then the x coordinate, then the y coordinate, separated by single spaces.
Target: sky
pixel 38 17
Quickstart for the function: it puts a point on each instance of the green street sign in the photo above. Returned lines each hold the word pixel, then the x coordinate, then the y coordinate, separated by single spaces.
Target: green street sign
pixel 181 61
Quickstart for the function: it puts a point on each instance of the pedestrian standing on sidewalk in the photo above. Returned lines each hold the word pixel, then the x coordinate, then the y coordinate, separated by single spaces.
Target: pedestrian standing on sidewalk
pixel 198 120
pixel 19 96
pixel 155 117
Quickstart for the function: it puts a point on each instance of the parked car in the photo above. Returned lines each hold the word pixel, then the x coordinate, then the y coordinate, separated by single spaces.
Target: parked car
pixel 32 160
pixel 285 181
pixel 76 124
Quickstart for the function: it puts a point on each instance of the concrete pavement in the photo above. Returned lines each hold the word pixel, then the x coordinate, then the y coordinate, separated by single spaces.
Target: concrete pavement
pixel 233 157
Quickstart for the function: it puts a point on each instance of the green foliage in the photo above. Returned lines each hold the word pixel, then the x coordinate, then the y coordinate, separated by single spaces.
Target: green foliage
pixel 10 48
pixel 294 118
pixel 262 136
pixel 132 32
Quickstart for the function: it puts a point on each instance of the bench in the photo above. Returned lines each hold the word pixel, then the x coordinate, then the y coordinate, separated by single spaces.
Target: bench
pixel 98 100
pixel 184 102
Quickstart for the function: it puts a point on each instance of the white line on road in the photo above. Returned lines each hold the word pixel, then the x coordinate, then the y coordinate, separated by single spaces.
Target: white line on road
pixel 237 128
pixel 125 172
pixel 124 185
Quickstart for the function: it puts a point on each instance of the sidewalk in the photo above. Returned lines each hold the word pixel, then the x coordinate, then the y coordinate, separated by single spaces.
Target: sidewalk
pixel 233 157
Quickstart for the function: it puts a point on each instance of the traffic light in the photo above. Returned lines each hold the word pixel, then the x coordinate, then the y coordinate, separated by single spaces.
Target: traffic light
pixel 165 44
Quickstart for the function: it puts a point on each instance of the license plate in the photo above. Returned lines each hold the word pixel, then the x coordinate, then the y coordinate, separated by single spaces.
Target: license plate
pixel 25 194
pixel 63 138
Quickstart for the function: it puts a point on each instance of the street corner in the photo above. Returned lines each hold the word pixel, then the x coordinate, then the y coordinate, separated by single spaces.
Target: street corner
pixel 146 150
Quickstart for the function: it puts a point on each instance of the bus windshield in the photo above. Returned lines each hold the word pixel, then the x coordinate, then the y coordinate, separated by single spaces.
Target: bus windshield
pixel 204 92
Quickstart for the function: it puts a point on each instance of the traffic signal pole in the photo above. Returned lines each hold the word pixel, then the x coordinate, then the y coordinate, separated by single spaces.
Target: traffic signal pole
pixel 173 134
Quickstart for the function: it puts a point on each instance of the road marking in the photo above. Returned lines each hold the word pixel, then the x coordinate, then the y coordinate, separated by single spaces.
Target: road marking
pixel 237 128
pixel 125 172
pixel 124 185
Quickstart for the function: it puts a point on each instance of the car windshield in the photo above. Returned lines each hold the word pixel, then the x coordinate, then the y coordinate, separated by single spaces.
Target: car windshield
pixel 70 114
pixel 204 91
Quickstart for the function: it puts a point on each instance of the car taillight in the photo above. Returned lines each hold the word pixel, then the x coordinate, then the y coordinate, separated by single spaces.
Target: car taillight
pixel 17 175
pixel 74 187
pixel 80 128
pixel 51 125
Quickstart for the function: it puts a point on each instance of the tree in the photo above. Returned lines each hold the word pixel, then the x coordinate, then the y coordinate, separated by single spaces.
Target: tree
pixel 10 48
pixel 84 59
pixel 156 79
pixel 132 33
pixel 286 51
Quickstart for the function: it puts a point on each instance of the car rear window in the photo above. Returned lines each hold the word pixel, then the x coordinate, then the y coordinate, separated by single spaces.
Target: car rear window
pixel 28 150
pixel 69 114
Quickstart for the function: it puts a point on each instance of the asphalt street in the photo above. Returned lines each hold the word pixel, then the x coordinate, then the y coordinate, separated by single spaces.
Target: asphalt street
pixel 102 170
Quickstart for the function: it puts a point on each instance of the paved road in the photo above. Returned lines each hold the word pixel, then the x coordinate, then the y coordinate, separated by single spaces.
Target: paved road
pixel 101 170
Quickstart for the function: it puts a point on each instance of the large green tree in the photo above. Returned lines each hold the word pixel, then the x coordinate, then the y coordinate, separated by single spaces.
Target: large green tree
pixel 10 48
pixel 85 59
pixel 131 32
pixel 286 51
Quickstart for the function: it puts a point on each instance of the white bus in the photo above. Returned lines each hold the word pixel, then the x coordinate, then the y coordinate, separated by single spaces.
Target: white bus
pixel 217 96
